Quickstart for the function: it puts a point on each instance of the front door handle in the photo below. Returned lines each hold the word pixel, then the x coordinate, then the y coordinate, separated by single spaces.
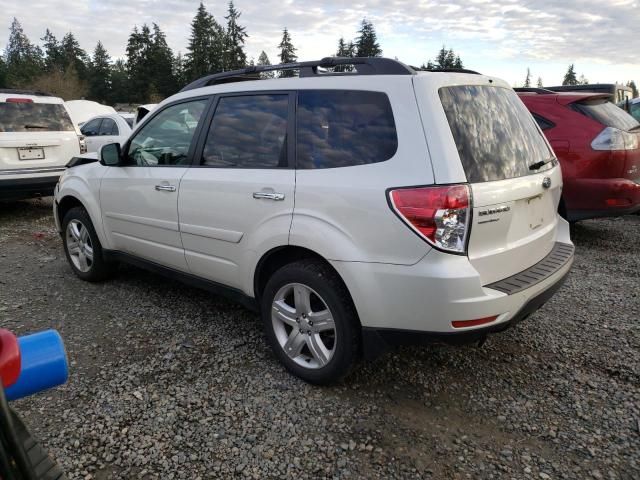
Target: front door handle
pixel 269 196
pixel 165 188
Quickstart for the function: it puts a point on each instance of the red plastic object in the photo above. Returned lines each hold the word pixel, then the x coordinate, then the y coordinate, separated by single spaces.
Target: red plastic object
pixel 19 100
pixel 472 323
pixel 9 358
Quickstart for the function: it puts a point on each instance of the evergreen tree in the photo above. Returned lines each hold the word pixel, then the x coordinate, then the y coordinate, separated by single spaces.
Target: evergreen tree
pixel 263 59
pixel 139 47
pixel 159 64
pixel 3 73
pixel 570 77
pixel 367 41
pixel 119 83
pixel 347 50
pixel 100 75
pixel 633 87
pixel 444 59
pixel 24 61
pixel 287 53
pixel 539 83
pixel 583 80
pixel 73 55
pixel 527 80
pixel 234 54
pixel 205 53
pixel 179 73
pixel 53 52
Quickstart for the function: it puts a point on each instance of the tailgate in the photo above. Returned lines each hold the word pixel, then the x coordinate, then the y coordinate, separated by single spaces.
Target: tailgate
pixel 26 151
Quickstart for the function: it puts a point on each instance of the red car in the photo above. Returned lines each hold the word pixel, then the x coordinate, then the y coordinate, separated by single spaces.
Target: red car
pixel 598 145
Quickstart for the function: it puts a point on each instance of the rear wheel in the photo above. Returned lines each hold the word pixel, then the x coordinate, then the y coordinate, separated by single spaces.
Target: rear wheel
pixel 310 321
pixel 82 246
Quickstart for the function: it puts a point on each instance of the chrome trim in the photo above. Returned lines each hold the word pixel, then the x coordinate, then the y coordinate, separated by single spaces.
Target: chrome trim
pixel 165 188
pixel 23 171
pixel 268 196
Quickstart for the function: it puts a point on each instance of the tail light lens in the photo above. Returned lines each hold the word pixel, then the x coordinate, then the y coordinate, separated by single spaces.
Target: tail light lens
pixel 614 139
pixel 83 144
pixel 441 215
pixel 19 100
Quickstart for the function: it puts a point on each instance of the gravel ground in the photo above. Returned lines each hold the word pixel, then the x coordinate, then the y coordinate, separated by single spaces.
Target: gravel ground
pixel 171 382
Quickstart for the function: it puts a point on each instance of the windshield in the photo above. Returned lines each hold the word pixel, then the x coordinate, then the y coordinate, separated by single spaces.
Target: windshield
pixel 34 117
pixel 496 136
pixel 607 114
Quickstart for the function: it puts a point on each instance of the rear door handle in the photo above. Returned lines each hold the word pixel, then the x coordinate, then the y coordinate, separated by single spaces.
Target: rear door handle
pixel 269 196
pixel 165 188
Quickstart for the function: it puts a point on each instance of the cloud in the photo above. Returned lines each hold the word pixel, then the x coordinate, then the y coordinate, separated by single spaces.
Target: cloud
pixel 544 30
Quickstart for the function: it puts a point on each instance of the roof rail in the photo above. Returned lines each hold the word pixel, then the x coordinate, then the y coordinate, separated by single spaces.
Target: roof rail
pixel 541 91
pixel 450 70
pixel 363 66
pixel 17 91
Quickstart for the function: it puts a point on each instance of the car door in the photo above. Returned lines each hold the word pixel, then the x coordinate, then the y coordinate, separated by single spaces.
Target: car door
pixel 90 130
pixel 237 200
pixel 139 200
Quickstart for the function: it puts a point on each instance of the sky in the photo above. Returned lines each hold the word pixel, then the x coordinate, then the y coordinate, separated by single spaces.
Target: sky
pixel 503 39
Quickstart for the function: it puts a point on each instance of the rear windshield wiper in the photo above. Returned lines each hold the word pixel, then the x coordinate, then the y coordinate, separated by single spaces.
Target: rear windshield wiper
pixel 540 164
pixel 35 126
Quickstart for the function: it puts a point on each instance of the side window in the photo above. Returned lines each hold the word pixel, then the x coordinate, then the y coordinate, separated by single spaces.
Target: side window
pixel 344 128
pixel 543 123
pixel 248 132
pixel 92 128
pixel 166 138
pixel 108 127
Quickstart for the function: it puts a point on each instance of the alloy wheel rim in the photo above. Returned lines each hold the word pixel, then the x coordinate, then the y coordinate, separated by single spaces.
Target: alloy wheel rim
pixel 79 246
pixel 304 325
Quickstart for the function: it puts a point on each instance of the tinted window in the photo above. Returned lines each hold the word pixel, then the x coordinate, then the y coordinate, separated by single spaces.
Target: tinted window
pixel 248 132
pixel 108 127
pixel 494 132
pixel 543 123
pixel 344 128
pixel 635 111
pixel 34 117
pixel 166 138
pixel 91 128
pixel 607 114
pixel 129 121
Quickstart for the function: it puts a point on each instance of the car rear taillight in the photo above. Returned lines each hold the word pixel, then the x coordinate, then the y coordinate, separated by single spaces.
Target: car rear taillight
pixel 18 100
pixel 614 139
pixel 83 144
pixel 441 215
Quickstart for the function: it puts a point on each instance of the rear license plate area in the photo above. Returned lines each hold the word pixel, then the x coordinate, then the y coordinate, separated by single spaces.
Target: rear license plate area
pixel 28 153
pixel 535 211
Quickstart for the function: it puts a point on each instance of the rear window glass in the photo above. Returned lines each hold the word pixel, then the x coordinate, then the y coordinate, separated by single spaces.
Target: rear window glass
pixel 606 113
pixel 344 128
pixel 494 132
pixel 34 117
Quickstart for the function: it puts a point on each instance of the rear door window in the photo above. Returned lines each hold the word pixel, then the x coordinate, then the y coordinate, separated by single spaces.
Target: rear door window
pixel 606 113
pixel 108 127
pixel 34 117
pixel 248 131
pixel 344 128
pixel 92 128
pixel 495 134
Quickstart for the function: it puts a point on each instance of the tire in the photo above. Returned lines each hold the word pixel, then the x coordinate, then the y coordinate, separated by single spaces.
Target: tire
pixel 45 468
pixel 307 310
pixel 82 247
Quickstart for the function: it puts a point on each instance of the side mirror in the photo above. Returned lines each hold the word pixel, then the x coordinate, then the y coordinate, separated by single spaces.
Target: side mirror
pixel 111 155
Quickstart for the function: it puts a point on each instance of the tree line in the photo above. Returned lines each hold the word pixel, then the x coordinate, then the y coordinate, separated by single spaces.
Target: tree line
pixel 571 78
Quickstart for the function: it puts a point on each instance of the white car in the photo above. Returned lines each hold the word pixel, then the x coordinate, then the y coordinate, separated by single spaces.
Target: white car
pixel 83 110
pixel 37 139
pixel 353 210
pixel 104 129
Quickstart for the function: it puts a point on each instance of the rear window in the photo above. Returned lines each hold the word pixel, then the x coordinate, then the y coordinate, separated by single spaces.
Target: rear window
pixel 344 128
pixel 606 113
pixel 495 134
pixel 34 117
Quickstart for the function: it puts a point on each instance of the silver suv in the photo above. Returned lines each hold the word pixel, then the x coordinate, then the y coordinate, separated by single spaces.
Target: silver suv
pixel 354 210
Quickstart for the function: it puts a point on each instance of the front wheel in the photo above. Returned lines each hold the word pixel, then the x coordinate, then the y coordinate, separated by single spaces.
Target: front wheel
pixel 310 321
pixel 82 246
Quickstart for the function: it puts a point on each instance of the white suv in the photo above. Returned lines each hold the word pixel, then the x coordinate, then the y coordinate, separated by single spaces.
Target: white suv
pixel 355 210
pixel 37 139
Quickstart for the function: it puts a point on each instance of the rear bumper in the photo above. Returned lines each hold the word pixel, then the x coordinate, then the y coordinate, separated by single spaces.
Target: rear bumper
pixel 21 188
pixel 606 197
pixel 377 340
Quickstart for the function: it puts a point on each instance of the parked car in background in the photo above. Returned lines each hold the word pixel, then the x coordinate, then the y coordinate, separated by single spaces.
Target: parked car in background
pixel 317 201
pixel 634 108
pixel 598 146
pixel 37 139
pixel 104 129
pixel 618 94
pixel 142 112
pixel 83 110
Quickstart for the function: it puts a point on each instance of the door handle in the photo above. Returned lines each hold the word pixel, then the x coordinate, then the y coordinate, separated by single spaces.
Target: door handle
pixel 165 188
pixel 268 196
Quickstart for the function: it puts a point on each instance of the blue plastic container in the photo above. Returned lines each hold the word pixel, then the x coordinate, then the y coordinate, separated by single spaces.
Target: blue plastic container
pixel 44 364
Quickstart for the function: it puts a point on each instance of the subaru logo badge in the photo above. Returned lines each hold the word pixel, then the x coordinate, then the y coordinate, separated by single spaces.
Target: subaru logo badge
pixel 546 183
